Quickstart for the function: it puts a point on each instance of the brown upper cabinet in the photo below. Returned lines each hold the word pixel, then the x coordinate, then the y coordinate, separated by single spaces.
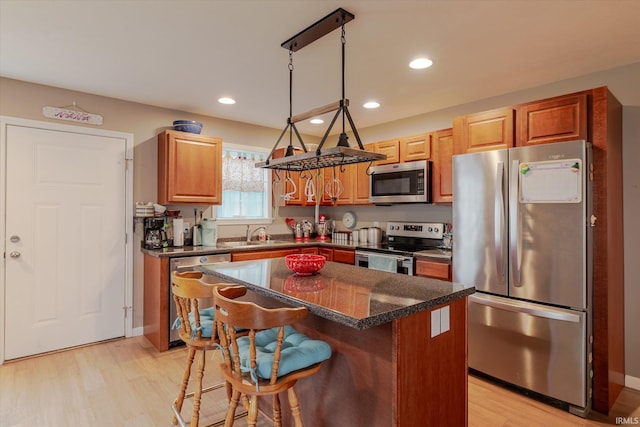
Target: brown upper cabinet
pixel 189 168
pixel 563 118
pixel 293 185
pixel 442 173
pixel 361 181
pixel 344 175
pixel 416 147
pixel 391 148
pixel 488 130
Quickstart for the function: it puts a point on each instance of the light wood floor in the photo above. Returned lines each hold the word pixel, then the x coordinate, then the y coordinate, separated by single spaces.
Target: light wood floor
pixel 128 383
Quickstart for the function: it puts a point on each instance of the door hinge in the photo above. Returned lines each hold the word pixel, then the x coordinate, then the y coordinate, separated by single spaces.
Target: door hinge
pixel 126 309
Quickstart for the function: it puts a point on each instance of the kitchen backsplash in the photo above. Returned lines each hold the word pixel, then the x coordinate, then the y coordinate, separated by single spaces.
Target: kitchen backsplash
pixel 366 216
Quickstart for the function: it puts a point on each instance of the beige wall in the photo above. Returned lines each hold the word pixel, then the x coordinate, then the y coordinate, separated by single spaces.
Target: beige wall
pixel 25 100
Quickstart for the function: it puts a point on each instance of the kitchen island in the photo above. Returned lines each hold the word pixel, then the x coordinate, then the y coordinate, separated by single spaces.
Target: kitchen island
pixel 399 342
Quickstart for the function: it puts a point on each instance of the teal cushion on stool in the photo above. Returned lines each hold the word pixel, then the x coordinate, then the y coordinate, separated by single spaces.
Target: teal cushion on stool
pixel 206 322
pixel 298 351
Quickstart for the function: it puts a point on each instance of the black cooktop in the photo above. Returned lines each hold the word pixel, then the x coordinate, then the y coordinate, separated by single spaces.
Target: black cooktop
pixel 397 248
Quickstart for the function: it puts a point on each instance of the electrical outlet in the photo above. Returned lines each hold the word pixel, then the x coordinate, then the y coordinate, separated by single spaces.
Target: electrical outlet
pixel 440 321
pixel 444 319
pixel 435 323
pixel 186 228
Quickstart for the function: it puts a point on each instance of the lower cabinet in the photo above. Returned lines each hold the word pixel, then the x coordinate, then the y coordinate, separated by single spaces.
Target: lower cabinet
pixel 156 301
pixel 326 252
pixel 345 256
pixel 270 253
pixel 434 269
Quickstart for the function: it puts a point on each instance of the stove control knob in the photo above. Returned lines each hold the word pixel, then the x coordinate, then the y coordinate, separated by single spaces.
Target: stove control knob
pixel 430 229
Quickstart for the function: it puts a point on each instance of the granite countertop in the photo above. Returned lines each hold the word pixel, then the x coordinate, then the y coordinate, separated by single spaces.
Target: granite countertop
pixel 354 296
pixel 235 246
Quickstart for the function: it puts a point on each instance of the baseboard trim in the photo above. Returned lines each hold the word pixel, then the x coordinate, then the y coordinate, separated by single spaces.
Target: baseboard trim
pixel 136 332
pixel 632 382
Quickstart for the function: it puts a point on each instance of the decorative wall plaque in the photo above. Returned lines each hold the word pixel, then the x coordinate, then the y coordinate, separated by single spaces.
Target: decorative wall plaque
pixel 75 115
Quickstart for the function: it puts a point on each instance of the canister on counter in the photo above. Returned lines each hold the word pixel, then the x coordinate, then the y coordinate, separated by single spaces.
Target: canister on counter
pixel 363 235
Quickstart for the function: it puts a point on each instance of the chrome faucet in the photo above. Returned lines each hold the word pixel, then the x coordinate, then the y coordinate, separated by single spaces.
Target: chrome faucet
pixel 251 233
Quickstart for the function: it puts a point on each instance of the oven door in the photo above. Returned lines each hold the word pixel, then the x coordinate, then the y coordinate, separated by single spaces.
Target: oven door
pixel 403 264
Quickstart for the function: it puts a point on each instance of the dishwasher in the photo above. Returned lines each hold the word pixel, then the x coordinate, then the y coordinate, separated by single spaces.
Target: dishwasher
pixel 185 264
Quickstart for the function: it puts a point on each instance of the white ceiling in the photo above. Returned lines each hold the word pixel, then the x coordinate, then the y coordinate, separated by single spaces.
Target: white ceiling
pixel 184 55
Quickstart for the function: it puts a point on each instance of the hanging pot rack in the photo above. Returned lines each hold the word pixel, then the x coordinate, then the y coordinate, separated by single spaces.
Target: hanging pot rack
pixel 342 153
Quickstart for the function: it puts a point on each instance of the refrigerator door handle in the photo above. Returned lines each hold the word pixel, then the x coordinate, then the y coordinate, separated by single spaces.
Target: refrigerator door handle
pixel 514 231
pixel 526 308
pixel 498 219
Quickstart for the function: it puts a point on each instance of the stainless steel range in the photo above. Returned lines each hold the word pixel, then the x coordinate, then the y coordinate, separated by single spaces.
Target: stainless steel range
pixel 404 239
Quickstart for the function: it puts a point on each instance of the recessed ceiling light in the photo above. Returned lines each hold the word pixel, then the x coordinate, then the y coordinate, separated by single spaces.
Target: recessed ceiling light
pixel 227 101
pixel 316 121
pixel 420 63
pixel 371 104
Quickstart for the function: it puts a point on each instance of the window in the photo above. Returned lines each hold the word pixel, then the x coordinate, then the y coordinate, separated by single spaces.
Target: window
pixel 246 190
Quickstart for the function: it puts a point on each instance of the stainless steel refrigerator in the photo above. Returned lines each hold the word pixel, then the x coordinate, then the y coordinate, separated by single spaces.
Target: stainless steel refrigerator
pixel 522 224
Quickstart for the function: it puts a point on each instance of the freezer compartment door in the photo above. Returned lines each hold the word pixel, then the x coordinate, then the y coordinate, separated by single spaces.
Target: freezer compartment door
pixel 540 348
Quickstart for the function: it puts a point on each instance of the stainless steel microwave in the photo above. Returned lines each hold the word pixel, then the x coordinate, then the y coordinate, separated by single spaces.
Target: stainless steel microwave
pixel 408 182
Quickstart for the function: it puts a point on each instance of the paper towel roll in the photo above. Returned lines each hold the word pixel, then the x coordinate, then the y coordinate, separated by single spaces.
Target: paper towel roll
pixel 178 232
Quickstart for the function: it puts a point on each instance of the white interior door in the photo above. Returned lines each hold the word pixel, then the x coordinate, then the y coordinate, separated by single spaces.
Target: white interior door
pixel 65 257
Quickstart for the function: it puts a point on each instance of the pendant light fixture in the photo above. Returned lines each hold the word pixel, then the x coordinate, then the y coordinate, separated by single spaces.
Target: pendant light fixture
pixel 342 153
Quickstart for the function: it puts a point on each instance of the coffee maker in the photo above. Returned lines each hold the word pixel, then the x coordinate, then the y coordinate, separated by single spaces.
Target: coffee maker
pixel 155 236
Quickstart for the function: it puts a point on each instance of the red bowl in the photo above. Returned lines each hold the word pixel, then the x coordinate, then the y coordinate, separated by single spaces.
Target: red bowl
pixel 305 264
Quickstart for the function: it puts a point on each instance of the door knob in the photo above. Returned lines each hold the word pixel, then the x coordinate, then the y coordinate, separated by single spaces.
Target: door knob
pixel 14 239
pixel 14 254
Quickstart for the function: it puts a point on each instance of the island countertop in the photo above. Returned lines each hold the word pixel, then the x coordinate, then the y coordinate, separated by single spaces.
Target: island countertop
pixel 353 296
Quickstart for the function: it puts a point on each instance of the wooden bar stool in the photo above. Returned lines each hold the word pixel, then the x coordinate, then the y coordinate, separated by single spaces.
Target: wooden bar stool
pixel 198 329
pixel 270 359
